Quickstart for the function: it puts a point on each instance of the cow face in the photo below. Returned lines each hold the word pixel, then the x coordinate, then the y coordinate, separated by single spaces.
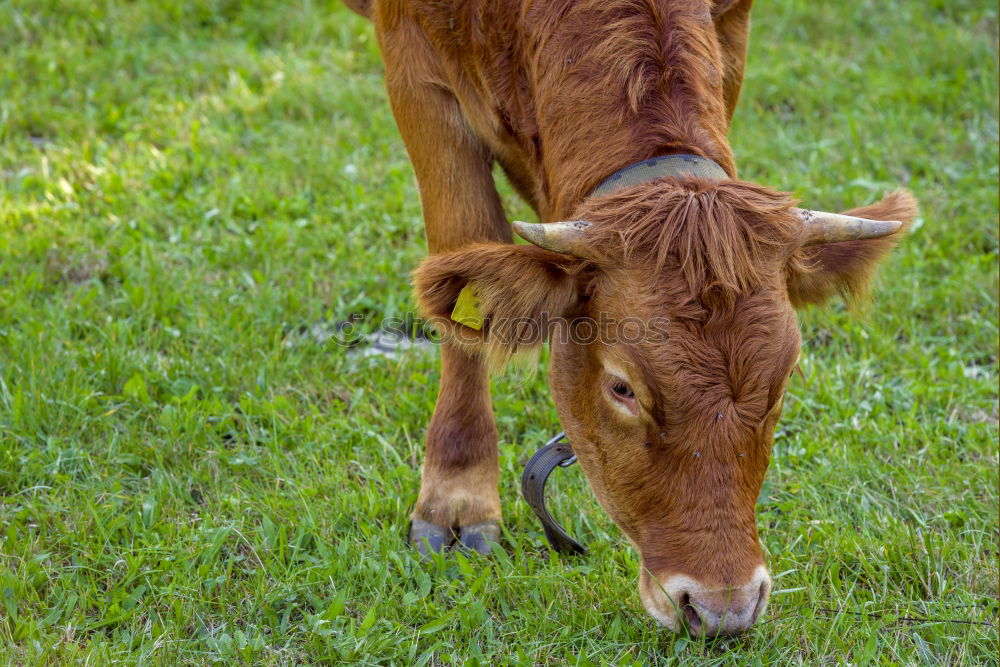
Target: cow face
pixel 671 416
pixel 673 335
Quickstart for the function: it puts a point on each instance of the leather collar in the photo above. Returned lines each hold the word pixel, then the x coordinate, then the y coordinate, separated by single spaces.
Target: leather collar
pixel 664 166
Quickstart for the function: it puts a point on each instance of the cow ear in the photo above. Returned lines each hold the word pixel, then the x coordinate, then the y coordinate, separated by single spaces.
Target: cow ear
pixel 816 272
pixel 506 295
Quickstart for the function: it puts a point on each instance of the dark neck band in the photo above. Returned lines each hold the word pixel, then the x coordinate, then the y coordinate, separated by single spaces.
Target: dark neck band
pixel 660 167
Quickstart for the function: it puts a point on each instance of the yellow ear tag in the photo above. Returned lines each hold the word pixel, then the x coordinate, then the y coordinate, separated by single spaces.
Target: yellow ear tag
pixel 466 309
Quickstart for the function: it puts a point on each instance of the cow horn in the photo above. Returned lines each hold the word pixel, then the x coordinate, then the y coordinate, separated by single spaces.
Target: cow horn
pixel 568 238
pixel 823 227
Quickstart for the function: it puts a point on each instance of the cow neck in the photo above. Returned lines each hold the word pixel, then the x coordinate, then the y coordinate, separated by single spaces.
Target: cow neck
pixel 665 166
pixel 606 97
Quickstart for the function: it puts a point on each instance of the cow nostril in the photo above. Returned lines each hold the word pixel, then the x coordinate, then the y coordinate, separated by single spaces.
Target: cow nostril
pixel 690 613
pixel 761 596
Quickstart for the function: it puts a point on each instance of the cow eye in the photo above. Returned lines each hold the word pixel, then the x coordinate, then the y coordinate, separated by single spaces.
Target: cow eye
pixel 622 389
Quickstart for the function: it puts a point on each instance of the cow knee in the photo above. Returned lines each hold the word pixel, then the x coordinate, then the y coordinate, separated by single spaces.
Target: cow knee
pixel 453 498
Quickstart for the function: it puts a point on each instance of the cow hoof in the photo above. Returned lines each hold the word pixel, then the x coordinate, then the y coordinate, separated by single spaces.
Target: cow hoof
pixel 428 538
pixel 480 537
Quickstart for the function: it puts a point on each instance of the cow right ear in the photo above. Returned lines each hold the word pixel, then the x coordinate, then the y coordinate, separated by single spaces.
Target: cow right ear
pixel 847 266
pixel 497 300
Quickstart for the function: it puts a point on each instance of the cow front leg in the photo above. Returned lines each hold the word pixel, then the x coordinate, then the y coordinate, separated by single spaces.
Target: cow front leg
pixel 458 489
pixel 458 498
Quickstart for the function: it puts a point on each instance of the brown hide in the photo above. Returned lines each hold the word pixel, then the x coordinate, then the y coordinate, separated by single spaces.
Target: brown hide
pixel 564 93
pixel 672 427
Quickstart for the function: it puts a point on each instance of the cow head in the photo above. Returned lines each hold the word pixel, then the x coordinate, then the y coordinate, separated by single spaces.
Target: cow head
pixel 670 313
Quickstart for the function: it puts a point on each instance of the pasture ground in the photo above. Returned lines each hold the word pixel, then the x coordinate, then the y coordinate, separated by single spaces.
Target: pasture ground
pixel 192 192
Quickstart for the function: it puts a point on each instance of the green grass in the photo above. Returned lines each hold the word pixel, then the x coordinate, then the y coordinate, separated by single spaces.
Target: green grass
pixel 188 476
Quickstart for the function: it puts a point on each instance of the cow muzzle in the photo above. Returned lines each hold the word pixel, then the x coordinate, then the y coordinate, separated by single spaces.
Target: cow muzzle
pixel 678 600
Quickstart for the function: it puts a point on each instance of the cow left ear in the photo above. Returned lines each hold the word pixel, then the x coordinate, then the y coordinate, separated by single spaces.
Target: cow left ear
pixel 496 300
pixel 816 272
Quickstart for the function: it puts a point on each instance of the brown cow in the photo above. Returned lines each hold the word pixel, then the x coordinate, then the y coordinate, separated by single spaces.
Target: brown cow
pixel 673 423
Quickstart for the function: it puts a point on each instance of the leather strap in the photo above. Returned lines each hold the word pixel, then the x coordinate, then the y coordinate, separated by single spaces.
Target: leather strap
pixel 660 167
pixel 556 452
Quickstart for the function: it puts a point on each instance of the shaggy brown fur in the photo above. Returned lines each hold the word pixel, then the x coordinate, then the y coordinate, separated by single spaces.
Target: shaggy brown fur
pixel 725 239
pixel 722 236
pixel 627 79
pixel 563 93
